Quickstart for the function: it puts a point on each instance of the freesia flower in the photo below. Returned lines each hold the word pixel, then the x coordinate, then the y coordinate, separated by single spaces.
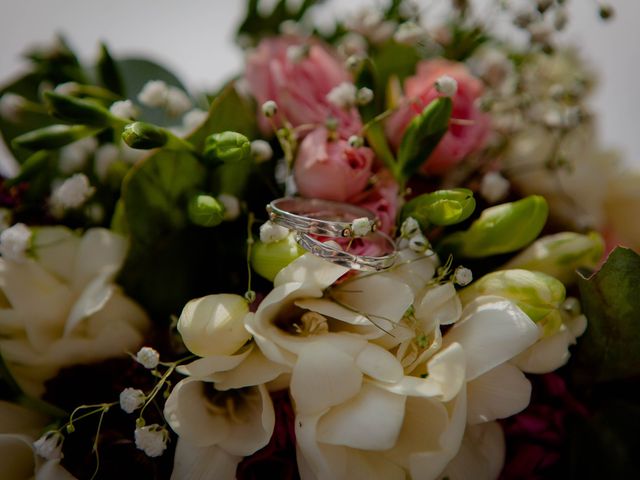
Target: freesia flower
pixel 461 139
pixel 63 308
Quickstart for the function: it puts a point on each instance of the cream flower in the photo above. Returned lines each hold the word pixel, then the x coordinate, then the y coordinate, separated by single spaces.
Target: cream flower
pixel 63 308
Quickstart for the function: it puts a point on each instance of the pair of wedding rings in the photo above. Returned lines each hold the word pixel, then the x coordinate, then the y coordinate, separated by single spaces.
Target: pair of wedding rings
pixel 311 218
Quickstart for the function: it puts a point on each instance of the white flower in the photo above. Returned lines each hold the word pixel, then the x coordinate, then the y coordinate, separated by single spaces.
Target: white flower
pixel 269 108
pixel 73 192
pixel 148 357
pixel 261 151
pixel 409 33
pixel 370 23
pixel 193 119
pixel 124 109
pixel 49 445
pixel 361 226
pixel 74 156
pixel 462 276
pixel 271 232
pixel 297 53
pixel 409 227
pixel 364 96
pixel 213 325
pixel 343 95
pixel 62 306
pixel 494 187
pixel 11 106
pixel 231 206
pixel 418 243
pixel 105 156
pixel 177 102
pixel 446 85
pixel 154 93
pixel 14 242
pixel 131 399
pixel 151 439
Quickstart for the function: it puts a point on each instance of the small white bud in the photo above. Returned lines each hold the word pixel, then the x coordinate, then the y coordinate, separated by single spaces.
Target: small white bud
pixel 355 141
pixel 353 45
pixel 419 243
pixel 462 276
pixel 271 232
pixel 494 187
pixel 409 33
pixel 446 85
pixel 269 108
pixel 15 241
pixel 193 119
pixel 67 88
pixel 361 226
pixel 11 106
pixel 364 96
pixel 261 151
pixel 131 399
pixel 73 157
pixel 177 102
pixel 231 206
pixel 105 156
pixel 49 445
pixel 73 192
pixel 152 439
pixel 154 94
pixel 124 109
pixel 297 53
pixel 343 96
pixel 148 357
pixel 353 62
pixel 409 228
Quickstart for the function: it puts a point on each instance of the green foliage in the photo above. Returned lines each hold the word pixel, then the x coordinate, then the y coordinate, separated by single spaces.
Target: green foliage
pixel 53 136
pixel 76 110
pixel 109 72
pixel 442 207
pixel 144 136
pixel 464 41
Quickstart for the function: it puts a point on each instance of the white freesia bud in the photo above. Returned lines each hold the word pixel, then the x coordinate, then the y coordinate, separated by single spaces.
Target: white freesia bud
pixel 446 85
pixel 15 241
pixel 177 102
pixel 261 151
pixel 269 108
pixel 214 325
pixel 49 445
pixel 409 33
pixel 124 109
pixel 73 192
pixel 364 96
pixel 11 106
pixel 343 96
pixel 131 399
pixel 361 226
pixel 231 206
pixel 494 187
pixel 74 156
pixel 148 357
pixel 409 228
pixel 193 119
pixel 154 93
pixel 271 232
pixel 419 243
pixel 462 276
pixel 105 156
pixel 151 439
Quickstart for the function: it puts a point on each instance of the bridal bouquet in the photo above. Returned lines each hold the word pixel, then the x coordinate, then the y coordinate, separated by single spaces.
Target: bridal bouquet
pixel 361 258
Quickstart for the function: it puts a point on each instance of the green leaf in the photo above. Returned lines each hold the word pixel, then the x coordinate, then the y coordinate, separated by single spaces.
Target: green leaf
pixel 501 229
pixel 30 168
pixel 53 136
pixel 109 72
pixel 76 110
pixel 156 192
pixel 378 142
pixel 442 207
pixel 610 348
pixel 423 135
pixel 392 59
pixel 256 25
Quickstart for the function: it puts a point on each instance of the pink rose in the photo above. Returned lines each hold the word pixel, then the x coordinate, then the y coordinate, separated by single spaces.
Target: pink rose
pixel 381 199
pixel 299 86
pixel 460 140
pixel 331 169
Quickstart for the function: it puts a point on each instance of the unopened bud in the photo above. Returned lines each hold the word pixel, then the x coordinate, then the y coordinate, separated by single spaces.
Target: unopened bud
pixel 144 136
pixel 364 96
pixel 227 147
pixel 446 85
pixel 355 141
pixel 269 108
pixel 205 211
pixel 51 137
pixel 76 110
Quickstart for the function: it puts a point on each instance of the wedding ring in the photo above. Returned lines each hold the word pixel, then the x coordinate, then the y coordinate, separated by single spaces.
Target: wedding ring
pixel 332 252
pixel 322 217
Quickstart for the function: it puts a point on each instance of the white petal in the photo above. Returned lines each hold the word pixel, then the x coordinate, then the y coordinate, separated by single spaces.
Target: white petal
pixel 499 393
pixel 204 367
pixel 439 305
pixel 323 377
pixel 17 457
pixel 547 354
pixel 492 331
pixel 331 309
pixel 93 298
pixel 99 248
pixel 16 418
pixel 256 426
pixel 317 461
pixel 310 270
pixel 414 269
pixel 481 454
pixel 379 364
pixel 203 463
pixel 186 412
pixel 371 466
pixel 256 369
pixel 52 470
pixel 369 421
pixel 56 249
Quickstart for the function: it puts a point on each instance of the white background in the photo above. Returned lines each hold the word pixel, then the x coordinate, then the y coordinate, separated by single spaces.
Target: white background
pixel 194 38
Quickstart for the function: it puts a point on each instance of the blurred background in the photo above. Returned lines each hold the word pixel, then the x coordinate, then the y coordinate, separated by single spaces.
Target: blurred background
pixel 194 38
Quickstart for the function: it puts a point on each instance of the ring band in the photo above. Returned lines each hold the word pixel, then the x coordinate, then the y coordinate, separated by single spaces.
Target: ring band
pixel 322 217
pixel 333 253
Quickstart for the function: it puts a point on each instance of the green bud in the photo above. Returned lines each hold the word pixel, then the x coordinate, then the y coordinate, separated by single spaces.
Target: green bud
pixel 501 229
pixel 442 207
pixel 52 137
pixel 205 211
pixel 80 111
pixel 538 295
pixel 561 254
pixel 267 259
pixel 227 147
pixel 144 136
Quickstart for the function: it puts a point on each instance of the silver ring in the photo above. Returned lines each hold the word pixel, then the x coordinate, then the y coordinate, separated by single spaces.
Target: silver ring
pixel 332 252
pixel 322 217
